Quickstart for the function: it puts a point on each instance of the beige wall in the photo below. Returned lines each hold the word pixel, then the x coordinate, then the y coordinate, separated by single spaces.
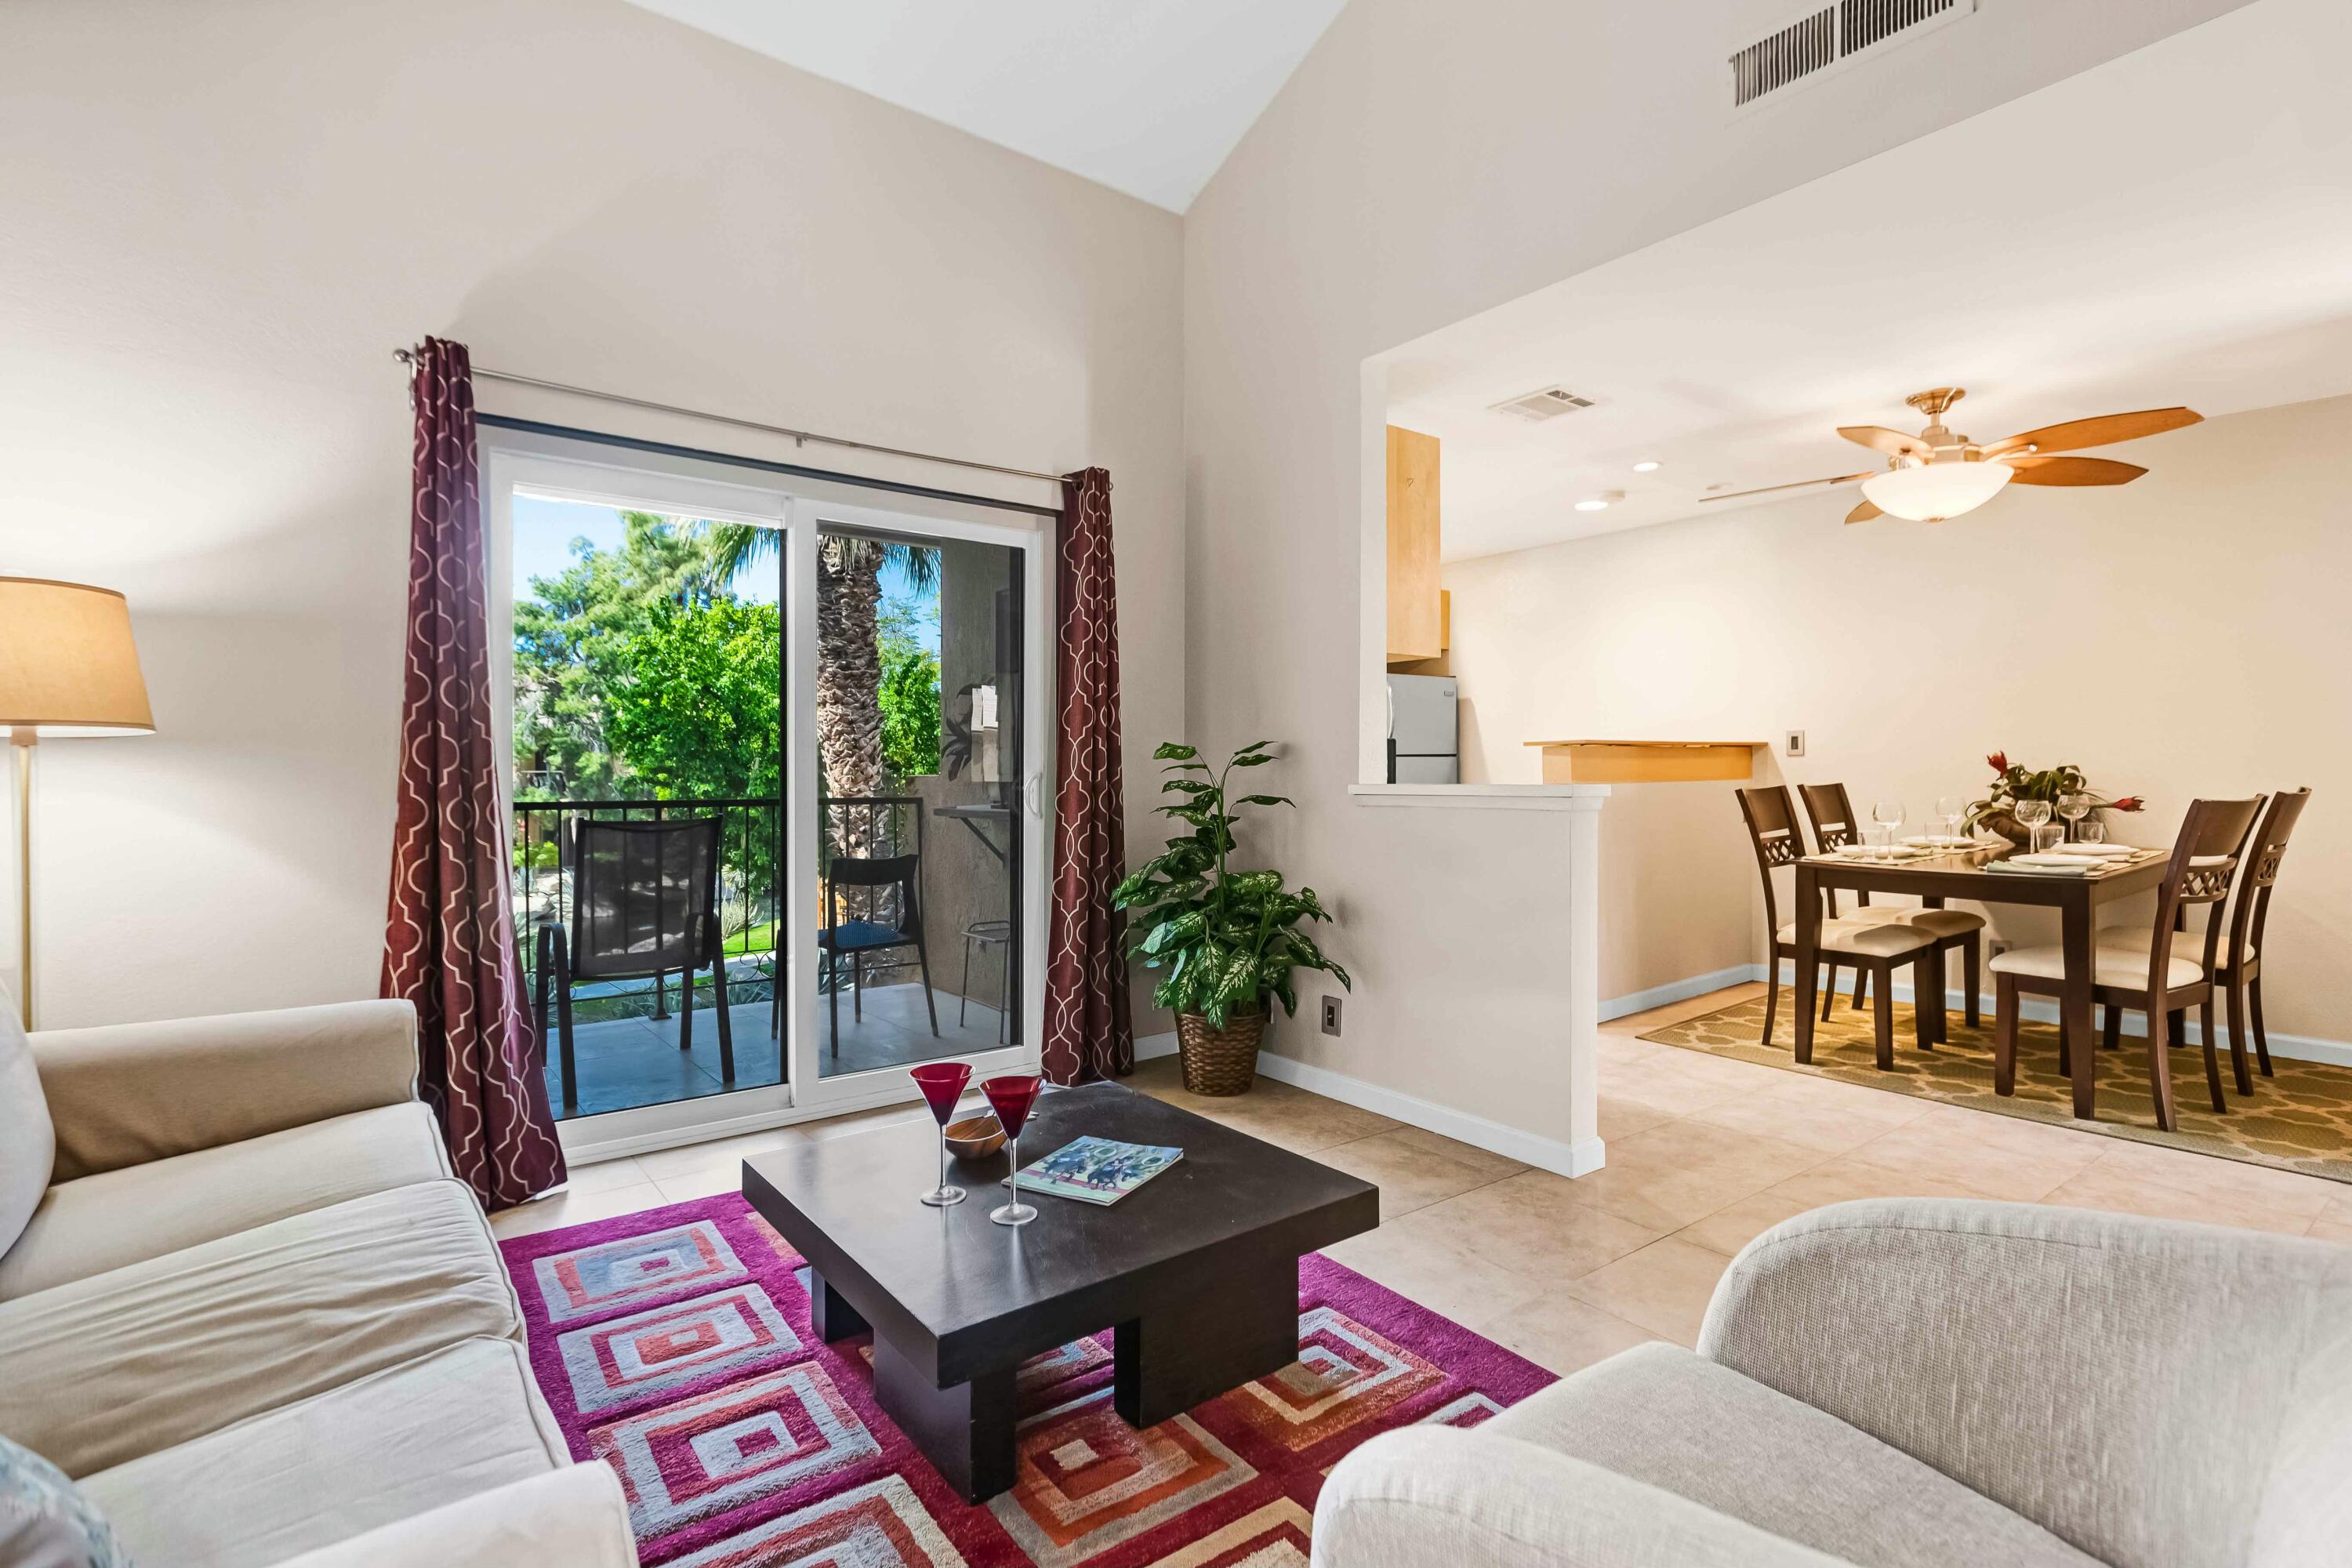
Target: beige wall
pixel 2180 637
pixel 1426 163
pixel 221 218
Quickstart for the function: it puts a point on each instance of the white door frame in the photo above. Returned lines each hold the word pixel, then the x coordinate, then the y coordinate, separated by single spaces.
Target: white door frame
pixel 638 480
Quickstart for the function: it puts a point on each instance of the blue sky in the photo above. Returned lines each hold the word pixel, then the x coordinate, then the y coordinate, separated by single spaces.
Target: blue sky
pixel 544 531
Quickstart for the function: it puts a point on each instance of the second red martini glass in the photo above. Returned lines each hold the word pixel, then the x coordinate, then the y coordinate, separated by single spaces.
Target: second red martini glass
pixel 942 1084
pixel 1012 1096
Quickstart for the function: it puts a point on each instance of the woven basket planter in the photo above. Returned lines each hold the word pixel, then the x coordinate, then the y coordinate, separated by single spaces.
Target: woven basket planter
pixel 1219 1061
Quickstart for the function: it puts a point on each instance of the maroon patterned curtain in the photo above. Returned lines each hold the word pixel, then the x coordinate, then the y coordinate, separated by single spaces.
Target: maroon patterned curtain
pixel 1088 1033
pixel 449 939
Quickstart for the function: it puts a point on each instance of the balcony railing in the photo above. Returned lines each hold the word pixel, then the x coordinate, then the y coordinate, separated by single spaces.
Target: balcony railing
pixel 751 884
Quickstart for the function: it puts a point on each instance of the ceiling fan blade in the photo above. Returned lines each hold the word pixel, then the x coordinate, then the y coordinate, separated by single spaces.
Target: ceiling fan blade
pixel 1863 514
pixel 2102 431
pixel 2041 470
pixel 1879 438
pixel 1799 485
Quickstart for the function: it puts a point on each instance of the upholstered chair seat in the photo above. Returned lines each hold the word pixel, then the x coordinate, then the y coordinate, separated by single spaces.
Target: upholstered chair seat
pixel 2113 966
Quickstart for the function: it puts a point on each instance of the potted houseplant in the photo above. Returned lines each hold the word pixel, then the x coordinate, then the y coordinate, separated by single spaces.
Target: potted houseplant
pixel 1227 940
pixel 2011 784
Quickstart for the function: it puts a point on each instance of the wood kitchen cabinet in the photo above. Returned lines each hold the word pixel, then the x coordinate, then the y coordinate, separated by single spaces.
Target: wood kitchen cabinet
pixel 1416 610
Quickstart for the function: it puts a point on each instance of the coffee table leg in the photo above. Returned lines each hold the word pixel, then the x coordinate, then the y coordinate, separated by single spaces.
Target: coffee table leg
pixel 1202 1346
pixel 830 1313
pixel 965 1431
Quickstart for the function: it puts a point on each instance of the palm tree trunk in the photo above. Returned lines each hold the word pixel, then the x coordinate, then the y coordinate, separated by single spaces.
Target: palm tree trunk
pixel 850 676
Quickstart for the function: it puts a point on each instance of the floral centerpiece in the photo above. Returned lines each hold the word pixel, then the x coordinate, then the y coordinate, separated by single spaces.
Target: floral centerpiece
pixel 2011 784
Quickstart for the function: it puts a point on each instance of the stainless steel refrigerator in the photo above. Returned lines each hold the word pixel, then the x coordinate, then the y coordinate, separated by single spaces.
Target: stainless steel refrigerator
pixel 1424 737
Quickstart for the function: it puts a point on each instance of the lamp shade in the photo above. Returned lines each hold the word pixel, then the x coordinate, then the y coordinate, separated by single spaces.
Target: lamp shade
pixel 1934 491
pixel 67 666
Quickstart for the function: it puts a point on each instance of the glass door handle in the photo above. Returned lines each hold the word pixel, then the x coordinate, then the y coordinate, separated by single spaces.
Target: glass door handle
pixel 1032 795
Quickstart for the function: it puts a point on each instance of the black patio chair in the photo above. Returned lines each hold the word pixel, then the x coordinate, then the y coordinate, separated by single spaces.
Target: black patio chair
pixel 885 892
pixel 645 902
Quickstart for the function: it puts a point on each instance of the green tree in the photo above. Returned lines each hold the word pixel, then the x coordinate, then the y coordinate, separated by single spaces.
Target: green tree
pixel 565 632
pixel 849 719
pixel 690 699
pixel 909 701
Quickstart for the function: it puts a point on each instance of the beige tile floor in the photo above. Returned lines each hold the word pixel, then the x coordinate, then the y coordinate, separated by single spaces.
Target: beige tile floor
pixel 1703 1155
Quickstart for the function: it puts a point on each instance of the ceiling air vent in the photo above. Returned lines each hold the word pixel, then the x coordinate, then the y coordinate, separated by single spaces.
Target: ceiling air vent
pixel 1549 404
pixel 1830 36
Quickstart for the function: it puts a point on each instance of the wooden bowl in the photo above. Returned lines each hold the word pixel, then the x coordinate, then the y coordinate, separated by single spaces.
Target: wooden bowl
pixel 975 1137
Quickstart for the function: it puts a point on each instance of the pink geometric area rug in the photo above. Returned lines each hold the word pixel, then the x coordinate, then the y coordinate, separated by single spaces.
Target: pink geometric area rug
pixel 675 1345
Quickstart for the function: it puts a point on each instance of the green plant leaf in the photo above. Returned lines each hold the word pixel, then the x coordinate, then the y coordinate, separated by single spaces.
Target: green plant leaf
pixel 1267 800
pixel 1171 751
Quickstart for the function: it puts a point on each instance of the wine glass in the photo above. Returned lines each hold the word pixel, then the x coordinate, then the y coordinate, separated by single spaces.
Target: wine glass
pixel 943 1085
pixel 1950 813
pixel 1888 814
pixel 2030 815
pixel 1012 1096
pixel 2073 806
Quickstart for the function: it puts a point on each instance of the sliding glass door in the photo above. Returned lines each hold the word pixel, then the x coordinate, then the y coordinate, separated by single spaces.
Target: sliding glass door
pixel 775 794
pixel 922 769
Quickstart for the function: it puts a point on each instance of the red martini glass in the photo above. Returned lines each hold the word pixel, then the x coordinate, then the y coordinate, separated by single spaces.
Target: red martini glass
pixel 942 1084
pixel 1011 1097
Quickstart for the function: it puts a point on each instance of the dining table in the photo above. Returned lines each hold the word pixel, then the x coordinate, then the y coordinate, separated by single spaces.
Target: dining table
pixel 1936 875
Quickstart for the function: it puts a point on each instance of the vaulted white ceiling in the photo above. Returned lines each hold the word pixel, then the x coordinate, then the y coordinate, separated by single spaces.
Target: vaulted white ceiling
pixel 2172 227
pixel 1144 96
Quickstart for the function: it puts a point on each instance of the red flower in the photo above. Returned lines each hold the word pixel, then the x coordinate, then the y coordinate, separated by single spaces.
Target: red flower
pixel 1998 761
pixel 2128 803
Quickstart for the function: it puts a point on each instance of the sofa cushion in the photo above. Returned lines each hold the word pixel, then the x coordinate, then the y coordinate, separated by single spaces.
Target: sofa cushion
pixel 430 1432
pixel 1659 1414
pixel 28 1144
pixel 138 1359
pixel 117 1217
pixel 46 1521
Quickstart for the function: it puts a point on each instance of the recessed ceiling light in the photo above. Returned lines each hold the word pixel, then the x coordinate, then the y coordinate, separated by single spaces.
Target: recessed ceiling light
pixel 1648 466
pixel 1592 505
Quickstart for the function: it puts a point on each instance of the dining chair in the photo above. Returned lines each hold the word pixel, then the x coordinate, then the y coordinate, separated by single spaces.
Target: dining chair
pixel 2238 969
pixel 2160 982
pixel 645 902
pixel 1835 826
pixel 1874 948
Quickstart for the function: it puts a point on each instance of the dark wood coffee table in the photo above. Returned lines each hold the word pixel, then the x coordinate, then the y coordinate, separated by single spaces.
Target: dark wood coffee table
pixel 1196 1272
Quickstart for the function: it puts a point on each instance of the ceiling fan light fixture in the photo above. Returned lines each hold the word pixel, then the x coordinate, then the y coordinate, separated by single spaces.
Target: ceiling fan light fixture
pixel 1931 492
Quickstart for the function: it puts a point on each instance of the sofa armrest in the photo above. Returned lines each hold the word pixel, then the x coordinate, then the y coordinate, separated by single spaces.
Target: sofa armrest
pixel 128 1093
pixel 2118 1381
pixel 1432 1497
pixel 574 1516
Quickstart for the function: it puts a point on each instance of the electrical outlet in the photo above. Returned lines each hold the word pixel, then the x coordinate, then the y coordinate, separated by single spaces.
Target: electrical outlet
pixel 1793 742
pixel 1330 1015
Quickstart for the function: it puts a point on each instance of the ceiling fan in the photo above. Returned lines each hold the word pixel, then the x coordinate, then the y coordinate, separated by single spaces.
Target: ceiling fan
pixel 1937 475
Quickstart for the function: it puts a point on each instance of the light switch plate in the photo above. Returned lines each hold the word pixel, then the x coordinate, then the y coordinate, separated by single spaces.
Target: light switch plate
pixel 1330 1015
pixel 1793 742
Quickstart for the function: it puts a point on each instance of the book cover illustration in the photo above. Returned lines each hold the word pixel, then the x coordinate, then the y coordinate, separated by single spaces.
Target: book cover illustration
pixel 1097 1170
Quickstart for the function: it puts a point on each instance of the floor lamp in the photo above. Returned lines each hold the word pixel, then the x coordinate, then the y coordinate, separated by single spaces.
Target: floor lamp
pixel 68 668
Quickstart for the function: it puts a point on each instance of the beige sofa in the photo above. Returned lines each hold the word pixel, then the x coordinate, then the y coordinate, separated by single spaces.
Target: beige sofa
pixel 257 1320
pixel 1915 1382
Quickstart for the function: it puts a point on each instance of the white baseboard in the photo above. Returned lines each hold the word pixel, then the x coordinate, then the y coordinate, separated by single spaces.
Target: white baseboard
pixel 2044 1010
pixel 1511 1142
pixel 1678 991
pixel 1577 1159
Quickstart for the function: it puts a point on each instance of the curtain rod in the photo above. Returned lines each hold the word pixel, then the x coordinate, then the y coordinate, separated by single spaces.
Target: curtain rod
pixel 408 356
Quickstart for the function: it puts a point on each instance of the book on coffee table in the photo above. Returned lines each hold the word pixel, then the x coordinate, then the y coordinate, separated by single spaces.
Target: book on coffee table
pixel 1097 1170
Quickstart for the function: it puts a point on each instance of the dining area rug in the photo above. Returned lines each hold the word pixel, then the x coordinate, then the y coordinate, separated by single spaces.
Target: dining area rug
pixel 2300 1119
pixel 674 1344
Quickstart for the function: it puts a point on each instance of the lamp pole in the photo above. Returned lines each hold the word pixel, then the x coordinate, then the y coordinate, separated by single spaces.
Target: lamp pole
pixel 21 740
